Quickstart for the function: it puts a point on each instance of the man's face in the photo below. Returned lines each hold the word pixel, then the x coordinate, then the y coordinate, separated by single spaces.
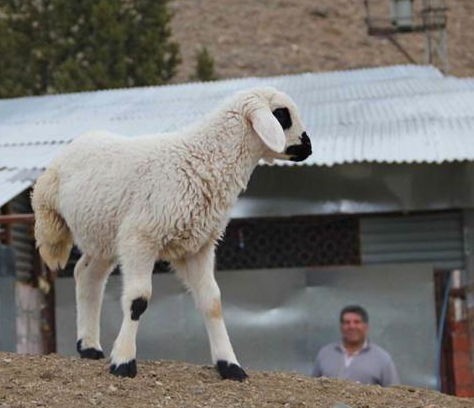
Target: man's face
pixel 353 328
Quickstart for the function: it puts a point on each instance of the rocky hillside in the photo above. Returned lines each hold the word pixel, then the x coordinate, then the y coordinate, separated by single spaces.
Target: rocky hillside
pixel 261 38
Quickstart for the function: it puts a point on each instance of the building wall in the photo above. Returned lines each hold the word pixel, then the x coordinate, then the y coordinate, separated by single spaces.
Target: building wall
pixel 7 314
pixel 359 188
pixel 7 299
pixel 279 318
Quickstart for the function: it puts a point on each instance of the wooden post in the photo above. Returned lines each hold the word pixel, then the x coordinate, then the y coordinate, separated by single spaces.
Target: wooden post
pixel 45 281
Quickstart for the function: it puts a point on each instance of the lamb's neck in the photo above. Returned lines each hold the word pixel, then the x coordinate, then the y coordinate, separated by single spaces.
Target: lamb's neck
pixel 229 151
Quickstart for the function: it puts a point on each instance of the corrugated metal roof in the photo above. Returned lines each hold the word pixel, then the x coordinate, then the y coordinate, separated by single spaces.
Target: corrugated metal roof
pixel 36 156
pixel 13 182
pixel 409 141
pixel 66 107
pixel 393 114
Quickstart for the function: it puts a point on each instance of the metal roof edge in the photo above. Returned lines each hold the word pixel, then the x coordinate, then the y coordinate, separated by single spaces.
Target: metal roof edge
pixel 227 80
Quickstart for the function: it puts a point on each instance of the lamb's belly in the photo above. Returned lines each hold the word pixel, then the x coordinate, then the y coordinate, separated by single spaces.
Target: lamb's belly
pixel 182 246
pixel 180 249
pixel 92 235
pixel 102 245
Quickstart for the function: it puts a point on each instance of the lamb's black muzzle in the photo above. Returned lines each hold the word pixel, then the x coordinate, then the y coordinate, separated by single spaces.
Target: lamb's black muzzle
pixel 301 151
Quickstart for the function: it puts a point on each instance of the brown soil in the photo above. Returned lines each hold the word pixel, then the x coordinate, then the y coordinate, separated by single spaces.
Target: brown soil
pixel 263 38
pixel 53 381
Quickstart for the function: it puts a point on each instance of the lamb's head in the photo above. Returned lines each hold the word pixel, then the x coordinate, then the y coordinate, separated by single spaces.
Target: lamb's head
pixel 275 121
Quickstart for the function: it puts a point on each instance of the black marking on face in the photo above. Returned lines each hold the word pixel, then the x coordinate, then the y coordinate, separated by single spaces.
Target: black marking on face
pixel 231 371
pixel 301 151
pixel 283 116
pixel 89 353
pixel 139 306
pixel 125 370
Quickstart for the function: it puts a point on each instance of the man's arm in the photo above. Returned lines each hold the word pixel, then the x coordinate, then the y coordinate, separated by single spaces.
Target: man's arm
pixel 317 368
pixel 389 374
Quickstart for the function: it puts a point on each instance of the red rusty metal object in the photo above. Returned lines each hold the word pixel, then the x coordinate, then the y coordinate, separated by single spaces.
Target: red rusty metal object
pixel 7 219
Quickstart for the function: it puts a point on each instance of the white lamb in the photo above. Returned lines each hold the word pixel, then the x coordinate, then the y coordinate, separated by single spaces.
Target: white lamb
pixel 131 201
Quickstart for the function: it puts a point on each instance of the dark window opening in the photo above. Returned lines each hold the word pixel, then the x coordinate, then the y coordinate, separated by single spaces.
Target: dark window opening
pixel 289 242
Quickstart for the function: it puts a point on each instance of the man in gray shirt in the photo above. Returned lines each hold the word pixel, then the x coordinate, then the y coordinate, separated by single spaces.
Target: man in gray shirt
pixel 355 358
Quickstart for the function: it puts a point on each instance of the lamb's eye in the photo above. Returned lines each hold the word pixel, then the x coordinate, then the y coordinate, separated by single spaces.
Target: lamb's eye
pixel 283 117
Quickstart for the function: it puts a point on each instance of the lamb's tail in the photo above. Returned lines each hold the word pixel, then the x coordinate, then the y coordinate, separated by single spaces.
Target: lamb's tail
pixel 53 237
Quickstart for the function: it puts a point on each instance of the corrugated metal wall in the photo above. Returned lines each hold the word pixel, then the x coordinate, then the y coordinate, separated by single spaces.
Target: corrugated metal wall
pixel 22 236
pixel 435 238
pixel 278 319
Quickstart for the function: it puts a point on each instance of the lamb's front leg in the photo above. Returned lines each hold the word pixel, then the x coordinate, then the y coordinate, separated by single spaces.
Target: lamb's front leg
pixel 197 272
pixel 90 275
pixel 137 268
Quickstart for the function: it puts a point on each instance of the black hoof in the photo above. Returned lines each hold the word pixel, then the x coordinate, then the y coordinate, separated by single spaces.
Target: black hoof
pixel 231 371
pixel 125 370
pixel 90 353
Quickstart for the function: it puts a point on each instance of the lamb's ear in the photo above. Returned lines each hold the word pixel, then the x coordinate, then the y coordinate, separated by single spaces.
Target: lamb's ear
pixel 268 128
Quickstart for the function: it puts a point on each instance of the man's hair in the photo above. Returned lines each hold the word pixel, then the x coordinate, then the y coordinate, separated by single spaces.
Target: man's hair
pixel 357 310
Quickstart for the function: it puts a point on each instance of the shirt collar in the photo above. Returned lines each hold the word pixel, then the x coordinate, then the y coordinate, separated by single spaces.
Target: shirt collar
pixel 366 346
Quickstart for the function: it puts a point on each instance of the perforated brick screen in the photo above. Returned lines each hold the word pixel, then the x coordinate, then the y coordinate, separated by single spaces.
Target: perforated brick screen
pixel 289 242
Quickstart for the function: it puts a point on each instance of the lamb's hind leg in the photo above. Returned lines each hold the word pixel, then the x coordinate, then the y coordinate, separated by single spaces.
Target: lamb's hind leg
pixel 90 275
pixel 197 272
pixel 137 267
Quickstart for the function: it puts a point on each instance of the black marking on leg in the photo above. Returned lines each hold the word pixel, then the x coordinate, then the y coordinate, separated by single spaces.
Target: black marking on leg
pixel 125 370
pixel 139 306
pixel 90 353
pixel 231 371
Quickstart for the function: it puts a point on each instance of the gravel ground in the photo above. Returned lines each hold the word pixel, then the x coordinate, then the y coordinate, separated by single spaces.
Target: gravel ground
pixel 54 381
pixel 262 38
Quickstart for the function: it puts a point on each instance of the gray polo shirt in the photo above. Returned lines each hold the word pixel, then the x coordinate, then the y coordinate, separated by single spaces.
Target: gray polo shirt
pixel 372 365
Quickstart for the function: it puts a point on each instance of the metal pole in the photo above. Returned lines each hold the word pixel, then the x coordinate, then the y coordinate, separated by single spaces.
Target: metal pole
pixel 426 22
pixel 8 219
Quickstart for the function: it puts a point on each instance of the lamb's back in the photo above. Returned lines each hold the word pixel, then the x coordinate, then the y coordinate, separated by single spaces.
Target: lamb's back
pixel 99 183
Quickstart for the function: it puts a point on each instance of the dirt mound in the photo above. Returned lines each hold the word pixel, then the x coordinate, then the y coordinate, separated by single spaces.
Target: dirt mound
pixel 54 381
